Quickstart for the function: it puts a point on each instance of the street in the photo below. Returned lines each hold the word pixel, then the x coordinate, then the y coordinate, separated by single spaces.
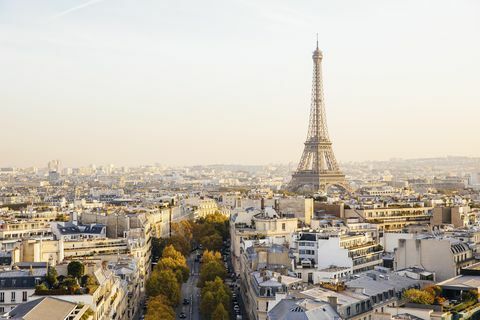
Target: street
pixel 190 292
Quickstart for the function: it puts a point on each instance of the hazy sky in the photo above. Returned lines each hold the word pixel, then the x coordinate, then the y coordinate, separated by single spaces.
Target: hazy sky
pixel 228 81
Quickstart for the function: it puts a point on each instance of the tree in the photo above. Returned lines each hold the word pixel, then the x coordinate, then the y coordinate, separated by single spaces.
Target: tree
pixel 219 222
pixel 76 269
pixel 51 277
pixel 207 304
pixel 178 268
pixel 220 313
pixel 41 287
pixel 220 291
pixel 419 296
pixel 180 243
pixel 434 290
pixel 89 282
pixel 70 283
pixel 183 228
pixel 211 256
pixel 164 282
pixel 213 242
pixel 171 252
pixel 470 295
pixel 158 308
pixel 175 261
pixel 210 271
pixel 157 246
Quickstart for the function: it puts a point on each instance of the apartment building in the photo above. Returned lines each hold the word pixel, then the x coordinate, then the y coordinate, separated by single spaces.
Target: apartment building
pixel 458 216
pixel 17 286
pixel 254 224
pixel 107 301
pixel 126 268
pixel 264 275
pixel 263 288
pixel 335 254
pixel 443 256
pixel 13 231
pixel 49 308
pixel 392 217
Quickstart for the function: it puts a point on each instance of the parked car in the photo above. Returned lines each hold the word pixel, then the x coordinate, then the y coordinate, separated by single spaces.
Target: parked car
pixel 186 301
pixel 182 315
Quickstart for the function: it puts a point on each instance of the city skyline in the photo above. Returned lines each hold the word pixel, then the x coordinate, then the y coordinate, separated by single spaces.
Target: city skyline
pixel 124 83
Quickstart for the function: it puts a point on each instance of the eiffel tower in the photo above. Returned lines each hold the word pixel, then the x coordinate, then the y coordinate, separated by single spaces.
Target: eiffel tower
pixel 318 169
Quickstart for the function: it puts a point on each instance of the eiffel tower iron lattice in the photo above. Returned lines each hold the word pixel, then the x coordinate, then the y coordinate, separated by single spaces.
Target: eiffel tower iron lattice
pixel 318 169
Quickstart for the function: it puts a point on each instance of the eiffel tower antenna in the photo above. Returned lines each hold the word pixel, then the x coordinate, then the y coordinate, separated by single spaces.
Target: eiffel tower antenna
pixel 318 169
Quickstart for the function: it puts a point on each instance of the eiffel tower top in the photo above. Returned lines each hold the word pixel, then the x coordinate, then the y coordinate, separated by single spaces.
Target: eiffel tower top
pixel 317 54
pixel 317 129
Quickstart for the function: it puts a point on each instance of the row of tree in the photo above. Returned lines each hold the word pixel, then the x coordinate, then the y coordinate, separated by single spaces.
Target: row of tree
pixel 164 285
pixel 180 238
pixel 216 295
pixel 211 232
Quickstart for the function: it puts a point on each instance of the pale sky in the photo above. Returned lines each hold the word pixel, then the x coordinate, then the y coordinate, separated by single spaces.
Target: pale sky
pixel 185 82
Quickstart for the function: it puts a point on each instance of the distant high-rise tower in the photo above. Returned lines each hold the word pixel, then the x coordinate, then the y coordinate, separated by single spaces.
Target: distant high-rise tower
pixel 318 168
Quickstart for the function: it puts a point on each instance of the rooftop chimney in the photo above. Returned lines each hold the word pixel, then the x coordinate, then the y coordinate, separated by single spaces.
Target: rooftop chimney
pixel 333 302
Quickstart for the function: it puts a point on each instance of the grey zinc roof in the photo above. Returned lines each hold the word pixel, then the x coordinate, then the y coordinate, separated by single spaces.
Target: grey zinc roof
pixel 463 281
pixel 305 309
pixel 380 283
pixel 43 308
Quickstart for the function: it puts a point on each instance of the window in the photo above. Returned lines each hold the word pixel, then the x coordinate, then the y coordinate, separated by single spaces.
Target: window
pixel 283 226
pixel 2 296
pixel 348 311
pixel 2 310
pixel 357 308
pixel 13 296
pixel 24 296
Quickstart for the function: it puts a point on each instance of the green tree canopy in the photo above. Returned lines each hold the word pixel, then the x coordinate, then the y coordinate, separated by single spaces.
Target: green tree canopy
pixel 419 296
pixel 220 291
pixel 207 304
pixel 213 242
pixel 175 266
pixel 180 243
pixel 76 269
pixel 164 282
pixel 470 295
pixel 158 308
pixel 171 252
pixel 220 313
pixel 211 256
pixel 210 271
pixel 175 261
pixel 51 277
